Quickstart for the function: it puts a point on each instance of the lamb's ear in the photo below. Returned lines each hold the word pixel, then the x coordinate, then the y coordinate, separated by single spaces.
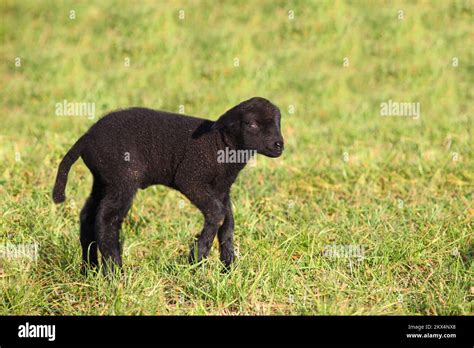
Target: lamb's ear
pixel 227 121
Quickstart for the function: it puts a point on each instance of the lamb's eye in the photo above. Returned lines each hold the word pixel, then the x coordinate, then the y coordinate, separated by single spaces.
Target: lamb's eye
pixel 252 125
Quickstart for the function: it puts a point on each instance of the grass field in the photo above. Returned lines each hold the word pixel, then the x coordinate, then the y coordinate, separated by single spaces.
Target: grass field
pixel 392 195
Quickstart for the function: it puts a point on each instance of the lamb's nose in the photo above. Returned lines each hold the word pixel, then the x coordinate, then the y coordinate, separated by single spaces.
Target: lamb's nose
pixel 279 145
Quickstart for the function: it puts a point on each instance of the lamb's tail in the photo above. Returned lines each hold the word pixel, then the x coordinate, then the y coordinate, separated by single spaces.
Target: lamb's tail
pixel 63 170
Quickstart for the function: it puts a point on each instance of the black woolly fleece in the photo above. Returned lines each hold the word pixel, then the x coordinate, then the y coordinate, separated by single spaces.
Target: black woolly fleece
pixel 134 148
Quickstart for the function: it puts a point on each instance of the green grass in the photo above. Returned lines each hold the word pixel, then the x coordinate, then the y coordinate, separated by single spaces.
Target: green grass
pixel 397 187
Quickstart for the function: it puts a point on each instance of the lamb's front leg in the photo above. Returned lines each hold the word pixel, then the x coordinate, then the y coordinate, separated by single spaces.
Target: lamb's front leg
pixel 214 213
pixel 226 235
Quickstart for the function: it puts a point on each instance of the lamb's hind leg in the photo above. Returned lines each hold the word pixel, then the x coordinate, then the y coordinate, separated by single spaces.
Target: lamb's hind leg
pixel 112 210
pixel 88 235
